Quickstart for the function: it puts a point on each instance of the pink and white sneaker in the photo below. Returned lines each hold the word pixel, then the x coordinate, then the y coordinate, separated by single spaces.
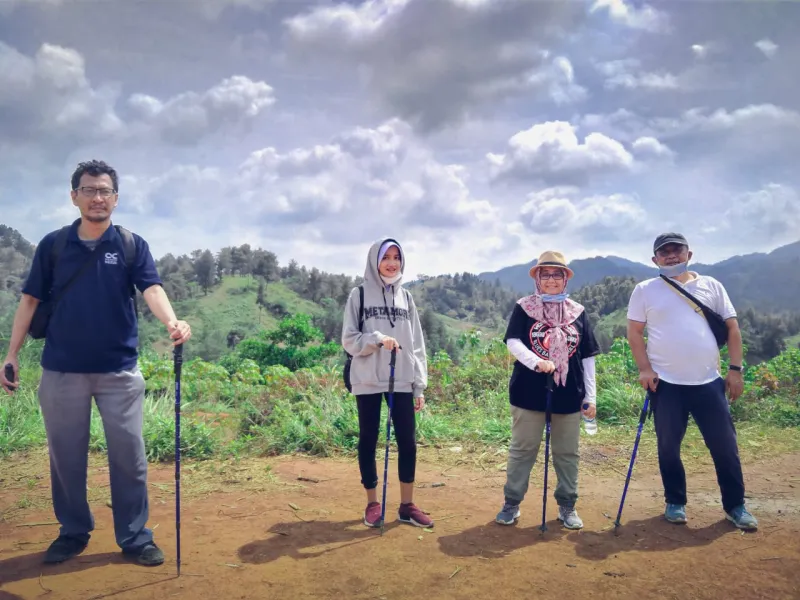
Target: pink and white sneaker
pixel 410 513
pixel 372 514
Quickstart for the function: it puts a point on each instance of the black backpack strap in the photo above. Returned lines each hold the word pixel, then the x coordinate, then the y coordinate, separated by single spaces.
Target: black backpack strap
pixel 129 250
pixel 55 251
pixel 361 308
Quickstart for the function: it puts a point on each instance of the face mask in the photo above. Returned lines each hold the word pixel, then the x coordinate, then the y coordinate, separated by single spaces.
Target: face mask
pixel 555 297
pixel 674 270
pixel 391 280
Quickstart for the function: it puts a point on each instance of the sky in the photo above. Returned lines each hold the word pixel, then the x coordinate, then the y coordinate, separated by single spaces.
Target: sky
pixel 479 133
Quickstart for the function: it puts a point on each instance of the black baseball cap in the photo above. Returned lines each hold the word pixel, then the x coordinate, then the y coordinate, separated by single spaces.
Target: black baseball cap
pixel 669 238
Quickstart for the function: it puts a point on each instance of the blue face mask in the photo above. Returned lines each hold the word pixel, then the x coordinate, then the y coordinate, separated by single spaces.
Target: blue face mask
pixel 555 297
pixel 674 270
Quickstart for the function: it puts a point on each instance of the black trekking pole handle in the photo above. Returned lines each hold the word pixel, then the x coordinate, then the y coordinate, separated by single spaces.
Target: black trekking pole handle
pixel 9 373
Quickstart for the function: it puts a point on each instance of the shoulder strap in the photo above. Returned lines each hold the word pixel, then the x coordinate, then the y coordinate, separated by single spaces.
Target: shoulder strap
pixel 361 308
pixel 129 250
pixel 128 244
pixel 687 296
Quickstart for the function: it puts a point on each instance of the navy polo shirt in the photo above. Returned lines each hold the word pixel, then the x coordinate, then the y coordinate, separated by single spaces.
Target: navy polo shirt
pixel 93 327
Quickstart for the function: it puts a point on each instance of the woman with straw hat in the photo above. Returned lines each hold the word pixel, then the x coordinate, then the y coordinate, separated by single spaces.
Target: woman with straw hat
pixel 548 333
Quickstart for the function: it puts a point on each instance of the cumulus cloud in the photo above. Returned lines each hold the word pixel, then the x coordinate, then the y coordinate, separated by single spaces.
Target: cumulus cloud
pixel 595 219
pixel 768 47
pixel 435 62
pixel 770 214
pixel 649 147
pixel 189 116
pixel 552 152
pixel 643 17
pixel 48 97
pixel 379 176
pixel 627 74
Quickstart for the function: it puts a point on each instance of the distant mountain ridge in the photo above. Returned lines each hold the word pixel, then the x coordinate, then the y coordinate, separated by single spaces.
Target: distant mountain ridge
pixel 763 280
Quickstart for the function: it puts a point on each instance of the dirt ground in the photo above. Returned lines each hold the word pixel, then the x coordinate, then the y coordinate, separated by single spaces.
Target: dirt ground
pixel 298 534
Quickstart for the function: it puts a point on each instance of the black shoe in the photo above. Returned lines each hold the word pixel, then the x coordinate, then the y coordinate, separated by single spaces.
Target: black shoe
pixel 64 548
pixel 148 555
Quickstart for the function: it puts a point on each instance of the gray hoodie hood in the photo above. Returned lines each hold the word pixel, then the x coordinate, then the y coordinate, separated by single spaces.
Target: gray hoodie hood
pixel 371 272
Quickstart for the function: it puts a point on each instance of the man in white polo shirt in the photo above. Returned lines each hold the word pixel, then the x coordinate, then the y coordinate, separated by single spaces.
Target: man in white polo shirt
pixel 680 366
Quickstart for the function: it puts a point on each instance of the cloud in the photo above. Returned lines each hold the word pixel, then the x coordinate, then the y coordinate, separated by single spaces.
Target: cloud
pixel 49 98
pixel 595 219
pixel 623 74
pixel 381 177
pixel 645 17
pixel 189 116
pixel 551 152
pixel 436 63
pixel 770 214
pixel 768 47
pixel 48 95
pixel 649 147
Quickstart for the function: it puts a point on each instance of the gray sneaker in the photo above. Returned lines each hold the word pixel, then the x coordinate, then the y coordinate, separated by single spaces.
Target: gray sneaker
pixel 742 519
pixel 569 516
pixel 675 513
pixel 508 515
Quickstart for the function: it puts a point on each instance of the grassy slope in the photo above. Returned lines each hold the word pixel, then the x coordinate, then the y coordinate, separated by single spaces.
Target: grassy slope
pixel 232 305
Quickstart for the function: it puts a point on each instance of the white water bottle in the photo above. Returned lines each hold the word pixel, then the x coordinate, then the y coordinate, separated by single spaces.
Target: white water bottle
pixel 589 425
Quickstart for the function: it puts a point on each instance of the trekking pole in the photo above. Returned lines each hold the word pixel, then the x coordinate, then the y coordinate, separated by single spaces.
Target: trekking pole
pixel 642 419
pixel 388 430
pixel 178 363
pixel 549 386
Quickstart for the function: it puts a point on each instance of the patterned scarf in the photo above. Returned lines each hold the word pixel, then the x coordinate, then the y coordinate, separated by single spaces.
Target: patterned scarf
pixel 555 315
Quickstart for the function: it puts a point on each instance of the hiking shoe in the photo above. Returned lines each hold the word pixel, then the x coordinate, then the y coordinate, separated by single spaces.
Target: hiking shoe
pixel 742 519
pixel 64 548
pixel 508 515
pixel 372 514
pixel 569 516
pixel 411 514
pixel 675 513
pixel 148 555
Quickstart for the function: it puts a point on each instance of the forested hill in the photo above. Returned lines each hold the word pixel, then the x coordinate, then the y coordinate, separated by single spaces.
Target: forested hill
pixel 233 293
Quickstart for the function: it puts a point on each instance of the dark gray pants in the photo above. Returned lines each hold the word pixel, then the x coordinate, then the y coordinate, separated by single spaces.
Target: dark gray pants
pixel 66 402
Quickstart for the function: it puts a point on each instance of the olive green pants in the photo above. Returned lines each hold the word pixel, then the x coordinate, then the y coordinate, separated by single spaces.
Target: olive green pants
pixel 527 432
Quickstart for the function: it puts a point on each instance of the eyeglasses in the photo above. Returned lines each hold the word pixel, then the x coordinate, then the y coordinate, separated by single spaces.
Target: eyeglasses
pixel 556 275
pixel 667 250
pixel 92 192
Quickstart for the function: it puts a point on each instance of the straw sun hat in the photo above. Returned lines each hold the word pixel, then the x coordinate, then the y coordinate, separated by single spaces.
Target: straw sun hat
pixel 551 258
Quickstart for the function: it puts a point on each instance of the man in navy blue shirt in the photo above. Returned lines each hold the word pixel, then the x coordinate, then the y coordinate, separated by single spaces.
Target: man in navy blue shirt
pixel 91 351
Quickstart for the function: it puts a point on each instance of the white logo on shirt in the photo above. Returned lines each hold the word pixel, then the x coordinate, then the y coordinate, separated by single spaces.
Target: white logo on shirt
pixel 111 258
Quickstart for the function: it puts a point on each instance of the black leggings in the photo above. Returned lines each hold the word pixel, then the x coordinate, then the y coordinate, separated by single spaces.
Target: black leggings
pixel 403 427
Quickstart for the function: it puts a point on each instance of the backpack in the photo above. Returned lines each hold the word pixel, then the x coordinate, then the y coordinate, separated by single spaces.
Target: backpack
pixel 349 359
pixel 41 317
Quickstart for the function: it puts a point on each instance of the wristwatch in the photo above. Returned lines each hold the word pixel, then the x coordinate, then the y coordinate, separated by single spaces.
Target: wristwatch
pixel 734 368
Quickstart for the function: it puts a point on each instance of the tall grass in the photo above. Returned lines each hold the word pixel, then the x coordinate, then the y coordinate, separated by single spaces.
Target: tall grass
pixel 278 411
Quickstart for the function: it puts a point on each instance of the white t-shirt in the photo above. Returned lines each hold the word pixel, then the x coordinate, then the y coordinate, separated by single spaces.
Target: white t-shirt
pixel 680 344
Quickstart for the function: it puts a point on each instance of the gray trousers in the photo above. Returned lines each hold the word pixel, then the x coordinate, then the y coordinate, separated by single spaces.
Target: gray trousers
pixel 527 429
pixel 66 402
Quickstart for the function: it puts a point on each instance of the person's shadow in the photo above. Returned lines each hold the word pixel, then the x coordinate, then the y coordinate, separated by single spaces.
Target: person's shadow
pixel 647 535
pixel 493 540
pixel 289 539
pixel 29 566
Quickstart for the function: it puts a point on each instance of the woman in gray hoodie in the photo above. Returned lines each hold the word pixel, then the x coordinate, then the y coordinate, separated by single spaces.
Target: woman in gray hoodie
pixel 387 319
